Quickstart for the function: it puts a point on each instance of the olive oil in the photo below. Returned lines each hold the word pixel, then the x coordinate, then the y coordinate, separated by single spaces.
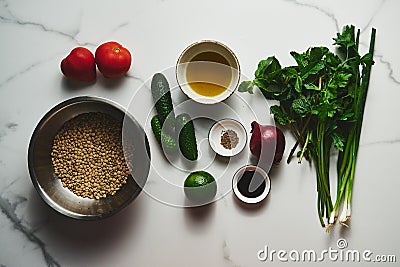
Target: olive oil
pixel 209 73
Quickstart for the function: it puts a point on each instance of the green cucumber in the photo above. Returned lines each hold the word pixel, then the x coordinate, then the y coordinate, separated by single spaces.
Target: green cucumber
pixel 163 102
pixel 166 141
pixel 187 136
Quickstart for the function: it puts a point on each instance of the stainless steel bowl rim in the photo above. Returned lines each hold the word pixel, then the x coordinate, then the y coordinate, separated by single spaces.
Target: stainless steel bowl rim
pixel 34 137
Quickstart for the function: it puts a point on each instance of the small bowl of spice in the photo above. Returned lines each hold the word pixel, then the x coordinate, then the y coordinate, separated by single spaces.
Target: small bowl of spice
pixel 88 158
pixel 251 184
pixel 227 137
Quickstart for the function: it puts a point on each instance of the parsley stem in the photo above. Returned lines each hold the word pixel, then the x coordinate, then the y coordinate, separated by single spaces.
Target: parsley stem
pixel 304 147
pixel 321 101
pixel 321 159
pixel 303 129
pixel 320 207
pixel 292 152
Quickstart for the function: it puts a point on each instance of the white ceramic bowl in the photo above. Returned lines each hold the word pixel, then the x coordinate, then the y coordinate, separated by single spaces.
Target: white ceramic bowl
pixel 251 200
pixel 207 46
pixel 217 130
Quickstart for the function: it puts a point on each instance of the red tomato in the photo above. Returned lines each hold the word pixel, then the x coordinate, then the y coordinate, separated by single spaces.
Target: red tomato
pixel 112 59
pixel 79 65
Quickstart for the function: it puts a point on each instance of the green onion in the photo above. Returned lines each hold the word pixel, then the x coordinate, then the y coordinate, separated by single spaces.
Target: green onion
pixel 347 158
pixel 322 101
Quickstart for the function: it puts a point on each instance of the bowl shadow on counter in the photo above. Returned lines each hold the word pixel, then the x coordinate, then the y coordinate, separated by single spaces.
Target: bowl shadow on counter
pixel 111 83
pixel 197 216
pixel 108 83
pixel 75 236
pixel 251 209
pixel 72 85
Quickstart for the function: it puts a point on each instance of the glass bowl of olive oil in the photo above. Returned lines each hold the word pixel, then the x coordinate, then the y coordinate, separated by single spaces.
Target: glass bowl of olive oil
pixel 208 72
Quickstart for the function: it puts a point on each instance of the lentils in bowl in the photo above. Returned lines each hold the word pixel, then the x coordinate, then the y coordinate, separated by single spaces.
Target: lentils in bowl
pixel 88 158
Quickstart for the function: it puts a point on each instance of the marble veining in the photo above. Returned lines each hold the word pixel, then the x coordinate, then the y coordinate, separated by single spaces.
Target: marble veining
pixel 6 187
pixel 330 15
pixel 146 234
pixel 8 209
pixel 363 29
pixel 141 80
pixel 120 26
pixel 382 142
pixel 369 23
pixel 26 69
pixel 12 126
pixel 389 68
pixel 15 20
pixel 12 19
pixel 227 254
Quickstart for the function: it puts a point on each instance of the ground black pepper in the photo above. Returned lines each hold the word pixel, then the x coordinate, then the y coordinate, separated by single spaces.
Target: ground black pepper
pixel 229 139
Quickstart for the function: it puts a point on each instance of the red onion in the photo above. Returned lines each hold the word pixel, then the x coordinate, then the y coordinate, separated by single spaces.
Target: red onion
pixel 267 143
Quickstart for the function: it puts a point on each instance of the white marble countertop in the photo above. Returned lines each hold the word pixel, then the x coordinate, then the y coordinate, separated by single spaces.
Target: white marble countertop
pixel 36 35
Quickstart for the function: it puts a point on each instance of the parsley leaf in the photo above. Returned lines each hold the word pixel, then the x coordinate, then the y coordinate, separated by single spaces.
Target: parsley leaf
pixel 321 101
pixel 338 141
pixel 268 68
pixel 301 106
pixel 246 86
pixel 281 117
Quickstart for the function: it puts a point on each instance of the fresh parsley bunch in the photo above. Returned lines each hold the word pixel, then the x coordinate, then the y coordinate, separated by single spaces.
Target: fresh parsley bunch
pixel 321 100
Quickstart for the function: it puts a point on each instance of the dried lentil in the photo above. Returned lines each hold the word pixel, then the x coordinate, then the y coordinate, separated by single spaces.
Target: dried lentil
pixel 88 157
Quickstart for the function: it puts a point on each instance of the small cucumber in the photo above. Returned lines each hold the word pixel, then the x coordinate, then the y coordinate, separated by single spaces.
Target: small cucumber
pixel 166 141
pixel 163 102
pixel 187 136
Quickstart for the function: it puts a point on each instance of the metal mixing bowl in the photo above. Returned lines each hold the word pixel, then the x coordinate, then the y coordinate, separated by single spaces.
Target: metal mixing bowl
pixel 49 186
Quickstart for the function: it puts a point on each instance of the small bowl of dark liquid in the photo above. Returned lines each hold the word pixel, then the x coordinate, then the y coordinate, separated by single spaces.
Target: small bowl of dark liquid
pixel 251 184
